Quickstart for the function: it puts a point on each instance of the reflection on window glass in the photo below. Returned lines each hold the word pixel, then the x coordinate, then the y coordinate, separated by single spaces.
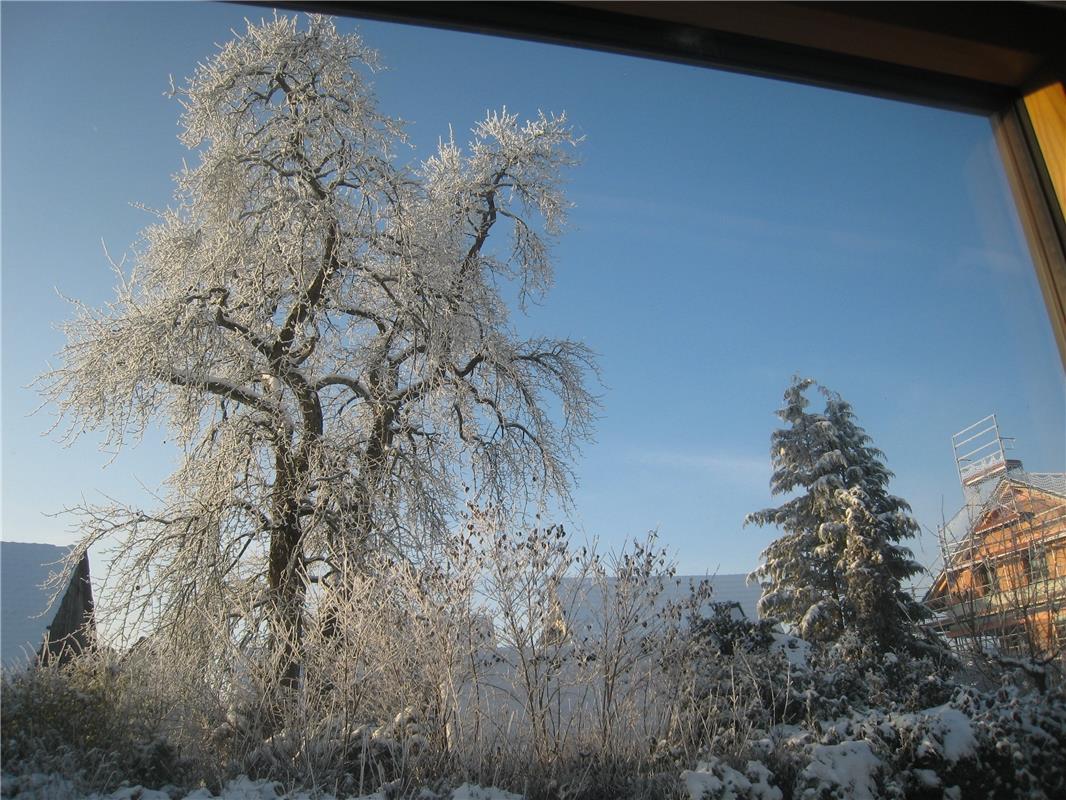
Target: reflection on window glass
pixel 727 233
pixel 348 413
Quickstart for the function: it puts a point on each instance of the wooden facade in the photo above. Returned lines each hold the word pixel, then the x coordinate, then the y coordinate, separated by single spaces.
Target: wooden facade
pixel 73 626
pixel 1003 587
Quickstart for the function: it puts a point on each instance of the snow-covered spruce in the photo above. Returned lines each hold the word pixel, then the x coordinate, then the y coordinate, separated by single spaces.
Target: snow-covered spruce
pixel 838 566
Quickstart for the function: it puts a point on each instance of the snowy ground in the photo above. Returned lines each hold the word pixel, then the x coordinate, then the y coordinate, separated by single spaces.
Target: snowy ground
pixel 54 787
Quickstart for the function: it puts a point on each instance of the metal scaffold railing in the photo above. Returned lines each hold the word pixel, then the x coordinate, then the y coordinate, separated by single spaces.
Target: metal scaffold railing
pixel 980 450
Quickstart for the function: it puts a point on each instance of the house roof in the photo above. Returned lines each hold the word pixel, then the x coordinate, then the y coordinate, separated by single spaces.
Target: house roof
pixel 582 600
pixel 981 498
pixel 1054 482
pixel 25 614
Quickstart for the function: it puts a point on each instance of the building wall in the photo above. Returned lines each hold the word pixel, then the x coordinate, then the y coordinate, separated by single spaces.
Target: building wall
pixel 1002 589
pixel 72 627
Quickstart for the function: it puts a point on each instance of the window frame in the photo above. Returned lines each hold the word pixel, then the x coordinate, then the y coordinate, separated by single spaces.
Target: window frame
pixel 986 579
pixel 1037 563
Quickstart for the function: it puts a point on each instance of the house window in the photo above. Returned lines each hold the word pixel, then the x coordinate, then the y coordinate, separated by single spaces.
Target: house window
pixel 1060 633
pixel 1038 570
pixel 1014 641
pixel 985 579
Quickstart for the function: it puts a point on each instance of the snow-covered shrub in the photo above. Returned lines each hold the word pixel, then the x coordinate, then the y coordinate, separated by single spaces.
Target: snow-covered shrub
pixel 741 678
pixel 384 664
pixel 1019 742
pixel 846 770
pixel 728 634
pixel 715 780
pixel 466 667
pixel 731 682
pixel 39 786
pixel 842 721
pixel 1004 744
pixel 983 665
pixel 472 668
pixel 574 693
pixel 523 580
pixel 850 674
pixel 87 721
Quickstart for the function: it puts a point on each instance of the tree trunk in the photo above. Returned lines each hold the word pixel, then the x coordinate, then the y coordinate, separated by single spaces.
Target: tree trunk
pixel 350 553
pixel 285 578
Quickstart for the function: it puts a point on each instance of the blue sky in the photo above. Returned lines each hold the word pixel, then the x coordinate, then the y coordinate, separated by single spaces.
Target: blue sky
pixel 728 232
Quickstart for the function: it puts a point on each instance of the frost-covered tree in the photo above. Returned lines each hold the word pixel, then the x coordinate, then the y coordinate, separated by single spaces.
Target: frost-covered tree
pixel 803 585
pixel 873 562
pixel 839 566
pixel 323 332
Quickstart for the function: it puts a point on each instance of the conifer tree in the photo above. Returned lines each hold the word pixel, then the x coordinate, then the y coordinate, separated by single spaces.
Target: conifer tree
pixel 802 586
pixel 838 567
pixel 871 560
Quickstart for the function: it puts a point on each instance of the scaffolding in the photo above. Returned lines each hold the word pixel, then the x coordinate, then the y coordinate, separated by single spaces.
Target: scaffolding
pixel 999 588
pixel 980 450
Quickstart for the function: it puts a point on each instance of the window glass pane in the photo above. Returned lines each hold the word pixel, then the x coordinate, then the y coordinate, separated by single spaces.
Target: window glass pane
pixel 727 233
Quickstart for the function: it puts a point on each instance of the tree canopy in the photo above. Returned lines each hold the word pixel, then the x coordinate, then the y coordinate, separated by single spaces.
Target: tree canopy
pixel 323 331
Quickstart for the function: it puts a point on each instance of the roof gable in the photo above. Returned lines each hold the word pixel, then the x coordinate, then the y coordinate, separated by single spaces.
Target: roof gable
pixel 25 615
pixel 1033 491
pixel 1025 496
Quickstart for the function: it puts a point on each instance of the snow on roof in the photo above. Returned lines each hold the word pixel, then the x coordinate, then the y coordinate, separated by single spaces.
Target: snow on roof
pixel 580 600
pixel 1054 482
pixel 24 567
pixel 980 495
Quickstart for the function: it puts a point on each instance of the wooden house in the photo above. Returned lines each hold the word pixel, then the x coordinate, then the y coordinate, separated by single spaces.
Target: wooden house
pixel 1002 586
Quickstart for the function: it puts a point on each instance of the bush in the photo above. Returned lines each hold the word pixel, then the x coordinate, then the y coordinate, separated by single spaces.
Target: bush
pixel 476 670
pixel 82 721
pixel 1004 744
